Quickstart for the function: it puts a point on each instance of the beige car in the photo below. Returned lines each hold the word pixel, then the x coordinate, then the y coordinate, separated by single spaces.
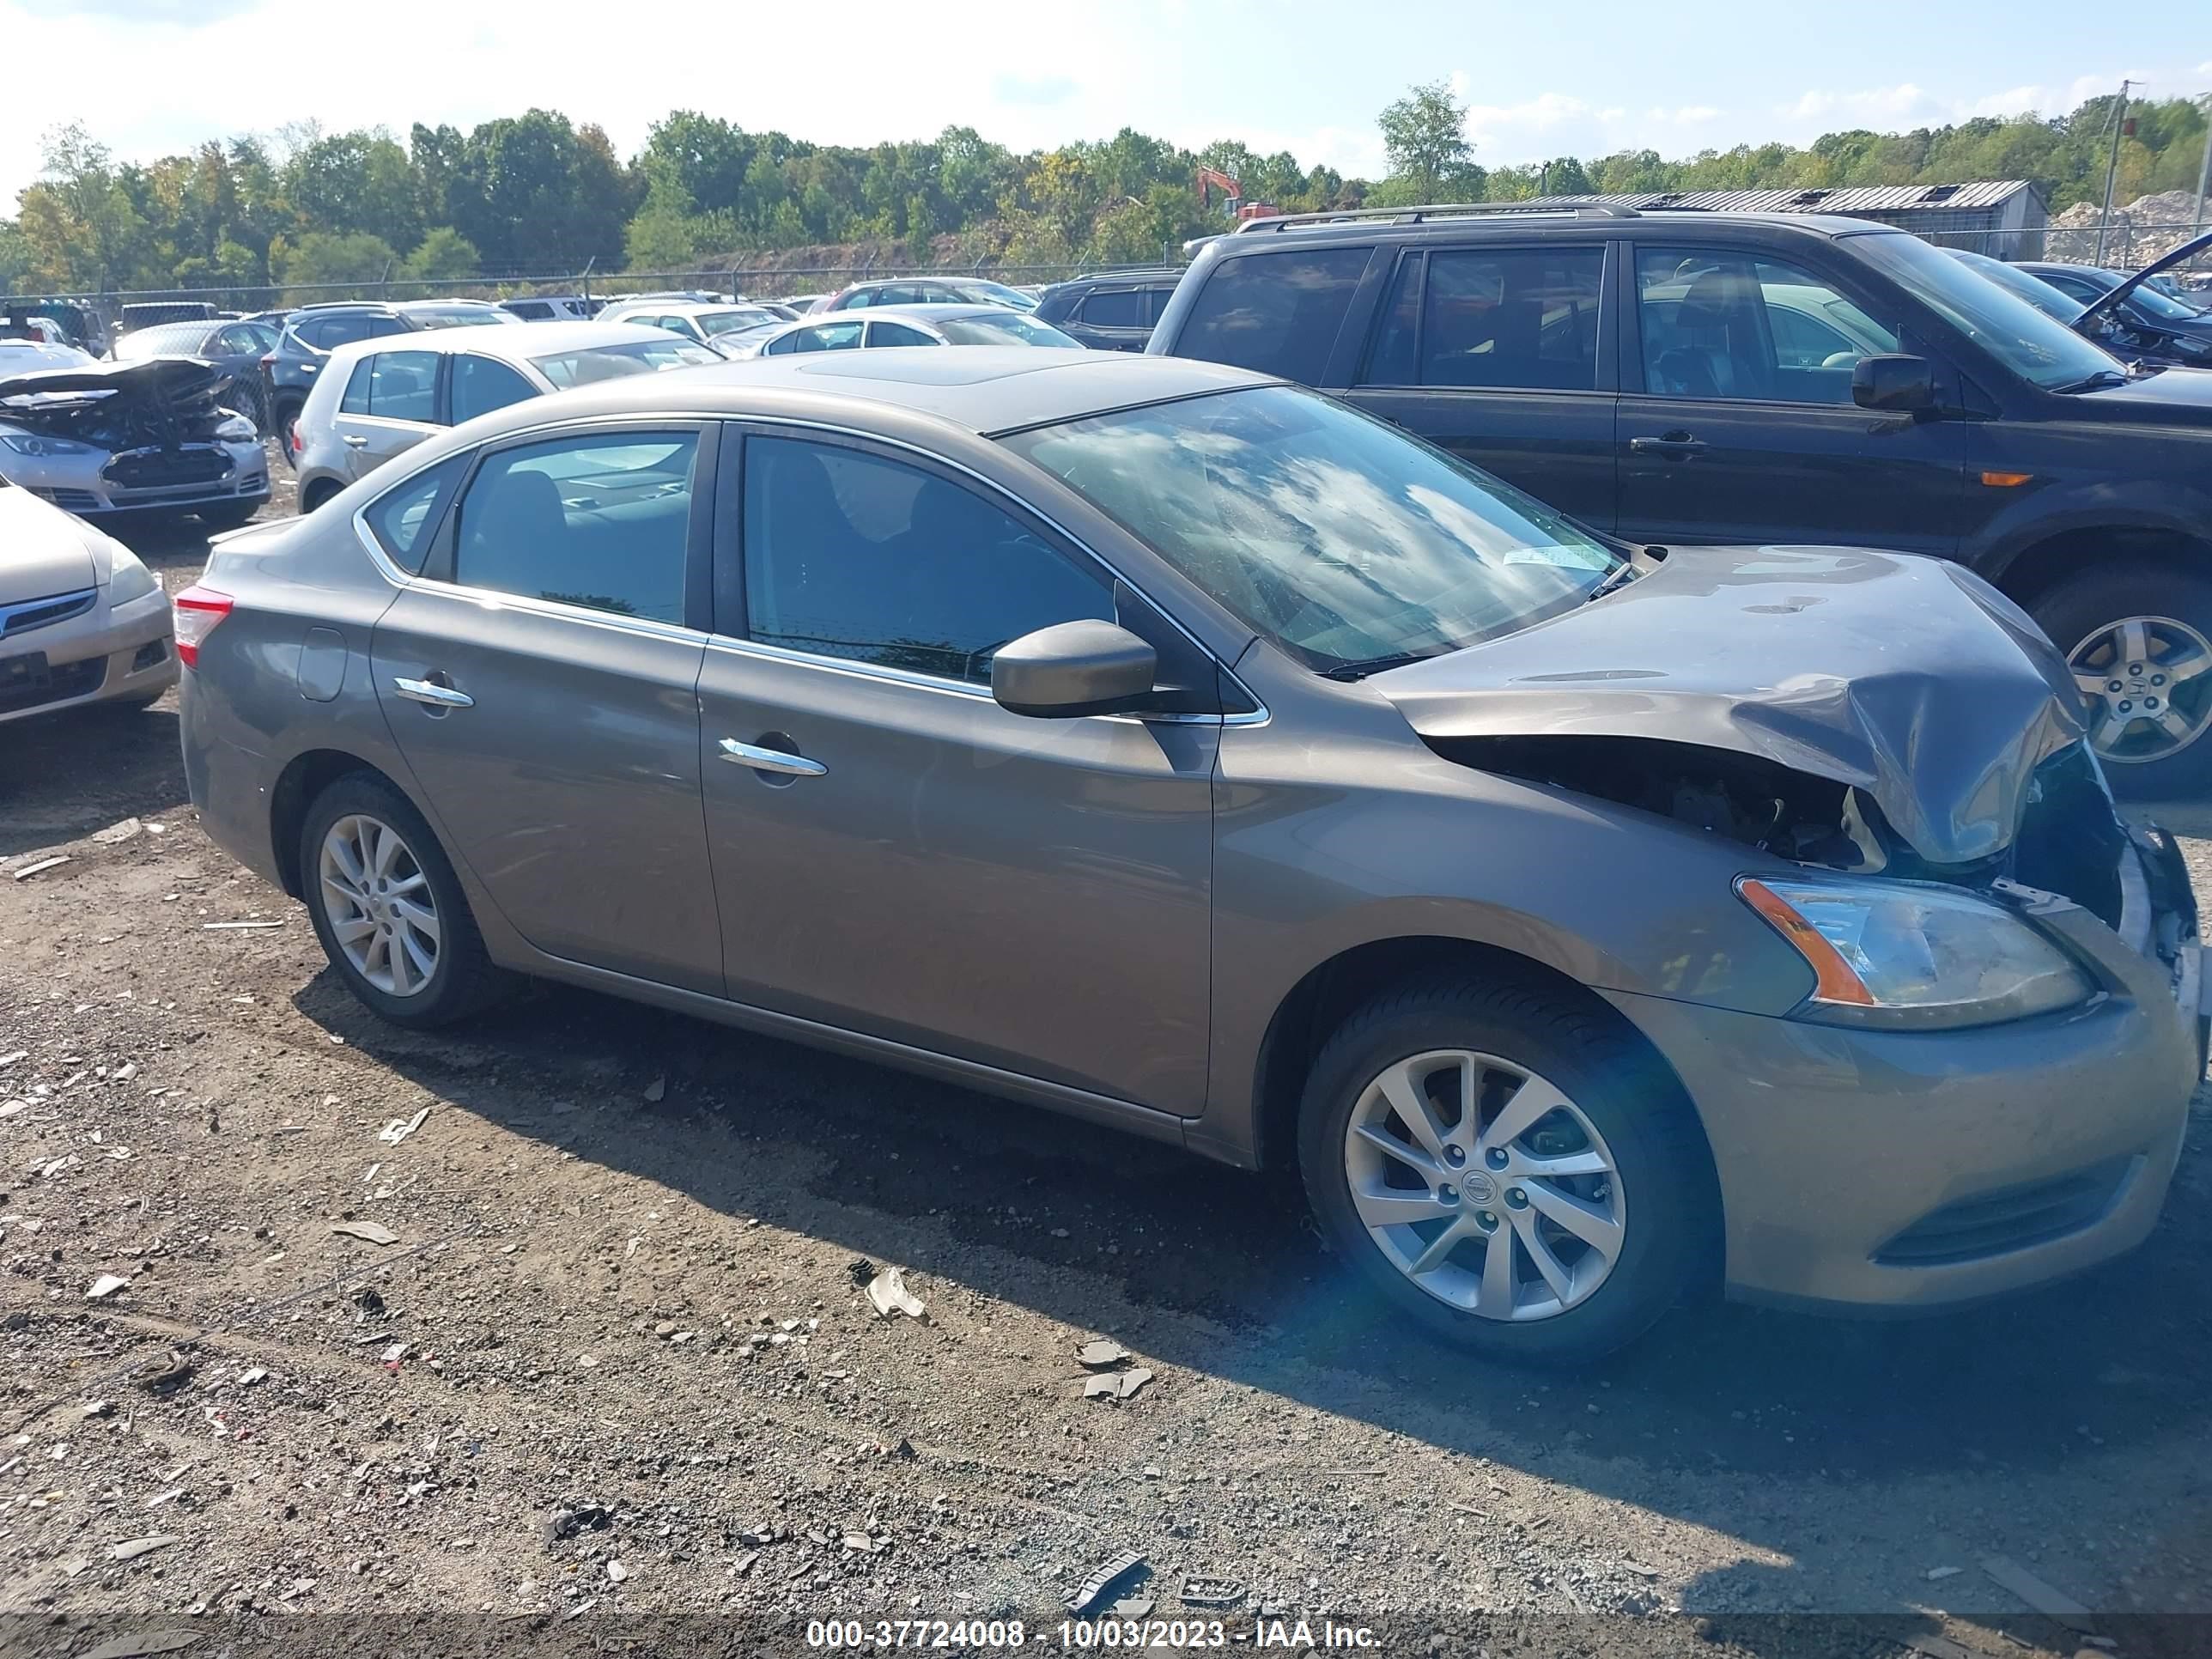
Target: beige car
pixel 82 621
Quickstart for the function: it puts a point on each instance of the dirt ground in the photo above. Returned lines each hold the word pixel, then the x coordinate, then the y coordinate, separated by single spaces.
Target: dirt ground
pixel 618 1360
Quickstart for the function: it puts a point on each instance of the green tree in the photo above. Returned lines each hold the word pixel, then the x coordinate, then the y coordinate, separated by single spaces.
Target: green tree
pixel 443 256
pixel 325 258
pixel 1425 136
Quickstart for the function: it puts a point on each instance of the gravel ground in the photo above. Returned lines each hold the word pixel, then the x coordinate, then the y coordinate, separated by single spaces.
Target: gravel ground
pixel 618 1362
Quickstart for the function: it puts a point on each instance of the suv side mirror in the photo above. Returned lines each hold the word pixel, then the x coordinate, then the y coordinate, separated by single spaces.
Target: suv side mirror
pixel 1893 381
pixel 1074 668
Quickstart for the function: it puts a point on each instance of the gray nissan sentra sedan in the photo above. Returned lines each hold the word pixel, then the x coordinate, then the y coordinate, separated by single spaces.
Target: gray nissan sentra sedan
pixel 1152 742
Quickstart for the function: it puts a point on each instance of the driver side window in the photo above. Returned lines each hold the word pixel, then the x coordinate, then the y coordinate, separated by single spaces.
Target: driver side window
pixel 853 555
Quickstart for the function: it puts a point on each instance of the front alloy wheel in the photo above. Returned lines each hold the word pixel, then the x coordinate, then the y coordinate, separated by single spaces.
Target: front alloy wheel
pixel 2148 680
pixel 378 900
pixel 1485 1185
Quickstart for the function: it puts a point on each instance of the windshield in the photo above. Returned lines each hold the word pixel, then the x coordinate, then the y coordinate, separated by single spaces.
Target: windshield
pixel 721 322
pixel 2147 299
pixel 2037 293
pixel 999 293
pixel 1350 545
pixel 611 362
pixel 162 340
pixel 458 316
pixel 2037 348
pixel 1009 328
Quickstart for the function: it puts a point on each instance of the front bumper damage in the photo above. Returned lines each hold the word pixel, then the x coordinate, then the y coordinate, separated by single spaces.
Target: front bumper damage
pixel 133 438
pixel 1901 1170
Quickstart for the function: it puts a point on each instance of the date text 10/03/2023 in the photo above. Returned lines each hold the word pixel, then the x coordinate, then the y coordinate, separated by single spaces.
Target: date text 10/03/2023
pixel 1082 1635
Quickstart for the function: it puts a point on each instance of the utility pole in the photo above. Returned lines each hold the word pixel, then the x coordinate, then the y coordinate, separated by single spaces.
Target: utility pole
pixel 2204 168
pixel 2112 171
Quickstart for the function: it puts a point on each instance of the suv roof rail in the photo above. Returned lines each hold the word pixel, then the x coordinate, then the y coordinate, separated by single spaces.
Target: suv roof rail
pixel 1104 271
pixel 1421 215
pixel 344 305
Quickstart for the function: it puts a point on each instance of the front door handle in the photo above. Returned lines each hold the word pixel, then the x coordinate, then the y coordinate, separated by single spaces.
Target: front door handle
pixel 352 440
pixel 429 691
pixel 771 760
pixel 1680 445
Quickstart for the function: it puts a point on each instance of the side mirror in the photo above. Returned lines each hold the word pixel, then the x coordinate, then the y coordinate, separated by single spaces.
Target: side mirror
pixel 1074 668
pixel 1893 381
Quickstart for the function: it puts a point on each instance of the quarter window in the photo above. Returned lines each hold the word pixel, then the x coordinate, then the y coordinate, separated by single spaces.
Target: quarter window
pixel 599 521
pixel 402 517
pixel 848 554
pixel 884 332
pixel 402 386
pixel 830 337
pixel 1722 326
pixel 1278 312
pixel 1115 308
pixel 481 385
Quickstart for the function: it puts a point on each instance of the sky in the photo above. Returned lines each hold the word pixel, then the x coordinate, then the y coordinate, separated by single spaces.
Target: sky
pixel 150 77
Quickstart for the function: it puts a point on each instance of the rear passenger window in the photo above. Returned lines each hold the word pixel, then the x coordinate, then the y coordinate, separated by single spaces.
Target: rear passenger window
pixel 830 337
pixel 1278 312
pixel 402 517
pixel 1523 319
pixel 402 386
pixel 600 521
pixel 481 386
pixel 848 554
pixel 1122 308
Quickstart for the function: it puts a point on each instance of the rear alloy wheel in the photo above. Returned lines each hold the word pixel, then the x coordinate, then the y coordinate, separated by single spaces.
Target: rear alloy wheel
pixel 2139 644
pixel 1511 1167
pixel 387 908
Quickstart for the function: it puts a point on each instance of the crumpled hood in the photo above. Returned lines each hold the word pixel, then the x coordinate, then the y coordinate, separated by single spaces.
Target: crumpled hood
pixel 43 550
pixel 164 377
pixel 1909 678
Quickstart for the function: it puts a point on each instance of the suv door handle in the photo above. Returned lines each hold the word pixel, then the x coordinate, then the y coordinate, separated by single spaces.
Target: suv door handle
pixel 429 691
pixel 1679 445
pixel 771 760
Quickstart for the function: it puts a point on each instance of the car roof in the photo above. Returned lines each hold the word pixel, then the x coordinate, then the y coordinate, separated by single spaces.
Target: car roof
pixel 682 307
pixel 986 389
pixel 1592 225
pixel 193 328
pixel 930 311
pixel 511 344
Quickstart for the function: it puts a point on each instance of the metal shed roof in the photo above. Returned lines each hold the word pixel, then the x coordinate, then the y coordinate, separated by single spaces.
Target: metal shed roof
pixel 1854 199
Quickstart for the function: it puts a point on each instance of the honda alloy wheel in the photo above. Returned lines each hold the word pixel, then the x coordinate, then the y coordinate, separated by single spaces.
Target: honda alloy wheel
pixel 1485 1185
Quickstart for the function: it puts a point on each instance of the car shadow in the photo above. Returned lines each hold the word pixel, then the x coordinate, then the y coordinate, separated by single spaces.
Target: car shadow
pixel 1223 1274
pixel 65 776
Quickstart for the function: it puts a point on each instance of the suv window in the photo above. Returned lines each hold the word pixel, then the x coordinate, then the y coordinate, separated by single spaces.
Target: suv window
pixel 1278 312
pixel 481 385
pixel 1725 326
pixel 884 332
pixel 1121 307
pixel 1519 319
pixel 849 555
pixel 535 310
pixel 599 520
pixel 397 385
pixel 402 518
pixel 326 333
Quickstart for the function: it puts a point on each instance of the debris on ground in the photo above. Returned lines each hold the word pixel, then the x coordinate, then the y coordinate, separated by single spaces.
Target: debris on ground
pixel 105 1286
pixel 373 1232
pixel 116 833
pixel 144 1642
pixel 1937 1647
pixel 655 1089
pixel 888 1290
pixel 1087 1595
pixel 1936 1573
pixel 1203 1592
pixel 860 1270
pixel 228 927
pixel 164 1372
pixel 43 863
pixel 616 1572
pixel 2050 1603
pixel 566 1523
pixel 1100 1352
pixel 132 1548
pixel 251 1375
pixel 1115 1385
pixel 399 1128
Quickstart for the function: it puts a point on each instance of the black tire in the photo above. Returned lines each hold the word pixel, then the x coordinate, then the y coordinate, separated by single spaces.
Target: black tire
pixel 463 981
pixel 315 494
pixel 1671 1236
pixel 2081 606
pixel 283 415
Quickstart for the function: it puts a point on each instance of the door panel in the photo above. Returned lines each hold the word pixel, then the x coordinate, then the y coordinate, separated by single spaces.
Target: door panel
pixel 1501 356
pixel 1031 894
pixel 1737 424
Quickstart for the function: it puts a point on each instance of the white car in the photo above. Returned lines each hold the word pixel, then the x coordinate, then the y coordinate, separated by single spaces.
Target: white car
pixel 82 621
pixel 689 318
pixel 146 437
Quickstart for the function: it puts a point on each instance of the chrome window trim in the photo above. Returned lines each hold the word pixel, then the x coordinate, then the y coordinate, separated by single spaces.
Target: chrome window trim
pixel 1258 715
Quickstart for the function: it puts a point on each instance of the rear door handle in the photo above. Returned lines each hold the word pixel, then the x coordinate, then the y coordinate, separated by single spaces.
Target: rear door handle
pixel 352 442
pixel 429 691
pixel 1681 444
pixel 771 760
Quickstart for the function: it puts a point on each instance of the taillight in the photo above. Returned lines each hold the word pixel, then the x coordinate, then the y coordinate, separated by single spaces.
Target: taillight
pixel 268 360
pixel 196 612
pixel 299 443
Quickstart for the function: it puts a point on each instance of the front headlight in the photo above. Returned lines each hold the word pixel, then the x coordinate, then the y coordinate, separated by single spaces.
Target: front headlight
pixel 127 578
pixel 238 430
pixel 30 443
pixel 1914 954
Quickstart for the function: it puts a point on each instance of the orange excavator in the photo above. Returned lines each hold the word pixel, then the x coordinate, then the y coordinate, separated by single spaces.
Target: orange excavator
pixel 1211 179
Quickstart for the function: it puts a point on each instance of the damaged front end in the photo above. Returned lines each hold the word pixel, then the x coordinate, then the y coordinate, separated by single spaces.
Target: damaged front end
pixel 1862 713
pixel 111 437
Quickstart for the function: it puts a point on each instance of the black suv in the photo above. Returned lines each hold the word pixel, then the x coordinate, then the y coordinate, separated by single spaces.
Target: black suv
pixel 1110 310
pixel 1703 377
pixel 311 334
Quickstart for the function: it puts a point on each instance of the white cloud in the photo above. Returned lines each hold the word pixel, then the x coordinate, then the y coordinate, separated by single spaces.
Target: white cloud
pixel 1875 104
